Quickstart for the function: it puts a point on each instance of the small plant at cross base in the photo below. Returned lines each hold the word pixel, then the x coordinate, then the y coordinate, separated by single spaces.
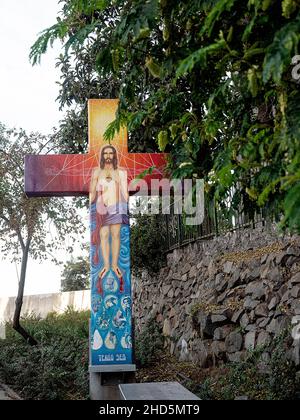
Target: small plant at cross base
pixel 148 343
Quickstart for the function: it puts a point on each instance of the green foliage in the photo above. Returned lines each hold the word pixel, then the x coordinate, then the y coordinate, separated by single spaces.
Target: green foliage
pixel 26 220
pixel 148 343
pixel 47 38
pixel 163 140
pixel 199 57
pixel 76 275
pixel 147 242
pixel 288 8
pixel 280 52
pixel 215 14
pixel 292 205
pixel 208 81
pixel 57 368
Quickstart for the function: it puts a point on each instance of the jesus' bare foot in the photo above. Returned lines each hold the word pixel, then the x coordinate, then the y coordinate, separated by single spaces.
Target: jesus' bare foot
pixel 120 277
pixel 103 272
pixel 117 271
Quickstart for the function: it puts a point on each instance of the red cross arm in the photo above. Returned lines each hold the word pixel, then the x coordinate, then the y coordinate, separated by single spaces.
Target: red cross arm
pixel 57 175
pixel 69 175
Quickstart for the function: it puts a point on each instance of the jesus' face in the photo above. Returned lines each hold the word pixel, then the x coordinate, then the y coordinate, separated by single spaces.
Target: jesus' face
pixel 108 155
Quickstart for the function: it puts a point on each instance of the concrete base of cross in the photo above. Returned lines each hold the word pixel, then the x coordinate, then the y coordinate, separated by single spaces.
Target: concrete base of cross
pixel 105 381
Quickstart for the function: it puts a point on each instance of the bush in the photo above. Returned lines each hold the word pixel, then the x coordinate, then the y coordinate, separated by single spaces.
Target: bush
pixel 148 243
pixel 148 343
pixel 76 275
pixel 57 368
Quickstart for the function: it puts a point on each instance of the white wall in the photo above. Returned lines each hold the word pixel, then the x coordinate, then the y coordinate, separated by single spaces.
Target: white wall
pixel 43 304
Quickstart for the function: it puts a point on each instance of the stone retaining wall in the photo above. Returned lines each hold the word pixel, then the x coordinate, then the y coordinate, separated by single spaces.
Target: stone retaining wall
pixel 216 299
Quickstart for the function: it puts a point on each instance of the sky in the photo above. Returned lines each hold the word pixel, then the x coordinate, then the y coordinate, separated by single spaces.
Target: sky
pixel 27 100
pixel 27 93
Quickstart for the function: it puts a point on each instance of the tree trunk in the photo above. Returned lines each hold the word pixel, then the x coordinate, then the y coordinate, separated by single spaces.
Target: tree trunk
pixel 19 300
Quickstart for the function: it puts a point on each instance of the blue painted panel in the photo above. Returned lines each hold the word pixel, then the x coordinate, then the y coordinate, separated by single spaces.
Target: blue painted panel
pixel 111 312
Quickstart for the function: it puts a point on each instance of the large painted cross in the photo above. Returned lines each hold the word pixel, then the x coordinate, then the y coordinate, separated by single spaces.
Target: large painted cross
pixel 103 173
